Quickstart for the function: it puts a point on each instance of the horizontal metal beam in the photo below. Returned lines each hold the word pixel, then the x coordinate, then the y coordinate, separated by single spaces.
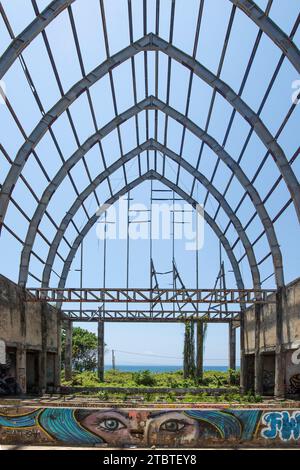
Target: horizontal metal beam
pixel 206 316
pixel 150 296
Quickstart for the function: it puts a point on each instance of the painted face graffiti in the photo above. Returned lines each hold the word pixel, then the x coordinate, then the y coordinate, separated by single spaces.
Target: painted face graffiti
pixel 140 427
pixel 146 428
pixel 115 426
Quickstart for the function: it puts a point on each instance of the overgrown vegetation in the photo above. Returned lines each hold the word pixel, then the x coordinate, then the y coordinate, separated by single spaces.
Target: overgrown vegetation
pixel 84 350
pixel 114 378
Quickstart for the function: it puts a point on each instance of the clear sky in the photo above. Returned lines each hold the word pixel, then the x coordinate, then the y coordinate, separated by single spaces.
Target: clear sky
pixel 158 339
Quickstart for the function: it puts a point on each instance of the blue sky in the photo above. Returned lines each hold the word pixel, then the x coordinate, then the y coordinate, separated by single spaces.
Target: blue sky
pixel 157 339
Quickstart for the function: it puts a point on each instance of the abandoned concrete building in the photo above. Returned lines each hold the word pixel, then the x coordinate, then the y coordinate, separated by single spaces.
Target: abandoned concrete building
pixel 149 103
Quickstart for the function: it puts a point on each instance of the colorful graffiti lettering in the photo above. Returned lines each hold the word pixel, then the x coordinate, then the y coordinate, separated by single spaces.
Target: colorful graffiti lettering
pixel 284 424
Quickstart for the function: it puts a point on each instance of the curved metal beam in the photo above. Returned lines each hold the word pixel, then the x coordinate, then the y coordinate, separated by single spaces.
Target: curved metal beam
pixel 151 175
pixel 271 29
pixel 212 143
pixel 149 145
pixel 38 25
pixel 149 42
pixel 19 44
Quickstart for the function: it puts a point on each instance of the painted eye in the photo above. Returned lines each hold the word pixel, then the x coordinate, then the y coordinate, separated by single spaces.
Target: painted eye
pixel 111 425
pixel 173 425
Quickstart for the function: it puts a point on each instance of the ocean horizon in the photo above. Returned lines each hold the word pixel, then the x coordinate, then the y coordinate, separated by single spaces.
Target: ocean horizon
pixel 161 368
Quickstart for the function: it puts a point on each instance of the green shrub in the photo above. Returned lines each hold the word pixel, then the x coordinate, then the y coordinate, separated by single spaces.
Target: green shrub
pixel 145 378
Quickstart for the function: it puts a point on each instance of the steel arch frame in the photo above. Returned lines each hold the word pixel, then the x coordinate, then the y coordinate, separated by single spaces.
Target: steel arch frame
pixel 19 44
pixel 151 174
pixel 149 42
pixel 271 29
pixel 224 156
pixel 149 145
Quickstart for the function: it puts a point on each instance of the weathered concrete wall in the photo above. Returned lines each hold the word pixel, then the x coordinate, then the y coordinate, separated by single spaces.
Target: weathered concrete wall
pixel 150 427
pixel 267 340
pixel 28 327
pixel 291 322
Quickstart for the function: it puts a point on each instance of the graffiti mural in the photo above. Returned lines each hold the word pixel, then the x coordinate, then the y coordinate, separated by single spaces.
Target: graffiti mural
pixel 294 384
pixel 282 424
pixel 130 427
pixel 8 384
pixel 146 428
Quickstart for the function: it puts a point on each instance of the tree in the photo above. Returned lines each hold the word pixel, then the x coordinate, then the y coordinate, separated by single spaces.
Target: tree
pixel 189 351
pixel 84 349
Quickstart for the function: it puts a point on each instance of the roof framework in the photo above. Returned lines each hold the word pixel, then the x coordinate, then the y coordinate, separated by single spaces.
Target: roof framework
pixel 150 120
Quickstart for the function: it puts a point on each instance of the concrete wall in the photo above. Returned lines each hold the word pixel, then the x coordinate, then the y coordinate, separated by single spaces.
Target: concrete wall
pixel 291 339
pixel 148 427
pixel 291 322
pixel 31 332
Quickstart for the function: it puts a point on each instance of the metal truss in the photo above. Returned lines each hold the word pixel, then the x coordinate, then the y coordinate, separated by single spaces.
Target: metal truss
pixel 149 145
pixel 223 155
pixel 150 316
pixel 57 6
pixel 149 175
pixel 151 42
pixel 120 295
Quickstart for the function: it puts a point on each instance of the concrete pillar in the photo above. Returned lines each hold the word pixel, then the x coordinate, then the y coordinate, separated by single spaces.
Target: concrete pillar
pixel 243 371
pixel 68 350
pixel 57 372
pixel 258 363
pixel 279 390
pixel 21 349
pixel 232 346
pixel 21 368
pixel 101 351
pixel 43 353
pixel 200 344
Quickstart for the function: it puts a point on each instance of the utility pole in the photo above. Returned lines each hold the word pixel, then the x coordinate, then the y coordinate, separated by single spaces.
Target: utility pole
pixel 113 359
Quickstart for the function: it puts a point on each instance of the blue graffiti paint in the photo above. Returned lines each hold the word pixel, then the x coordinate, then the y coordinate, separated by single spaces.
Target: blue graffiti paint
pixel 62 425
pixel 227 424
pixel 249 420
pixel 23 421
pixel 284 424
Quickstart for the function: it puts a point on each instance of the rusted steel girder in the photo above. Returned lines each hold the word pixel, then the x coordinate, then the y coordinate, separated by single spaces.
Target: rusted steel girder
pixel 212 316
pixel 140 295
